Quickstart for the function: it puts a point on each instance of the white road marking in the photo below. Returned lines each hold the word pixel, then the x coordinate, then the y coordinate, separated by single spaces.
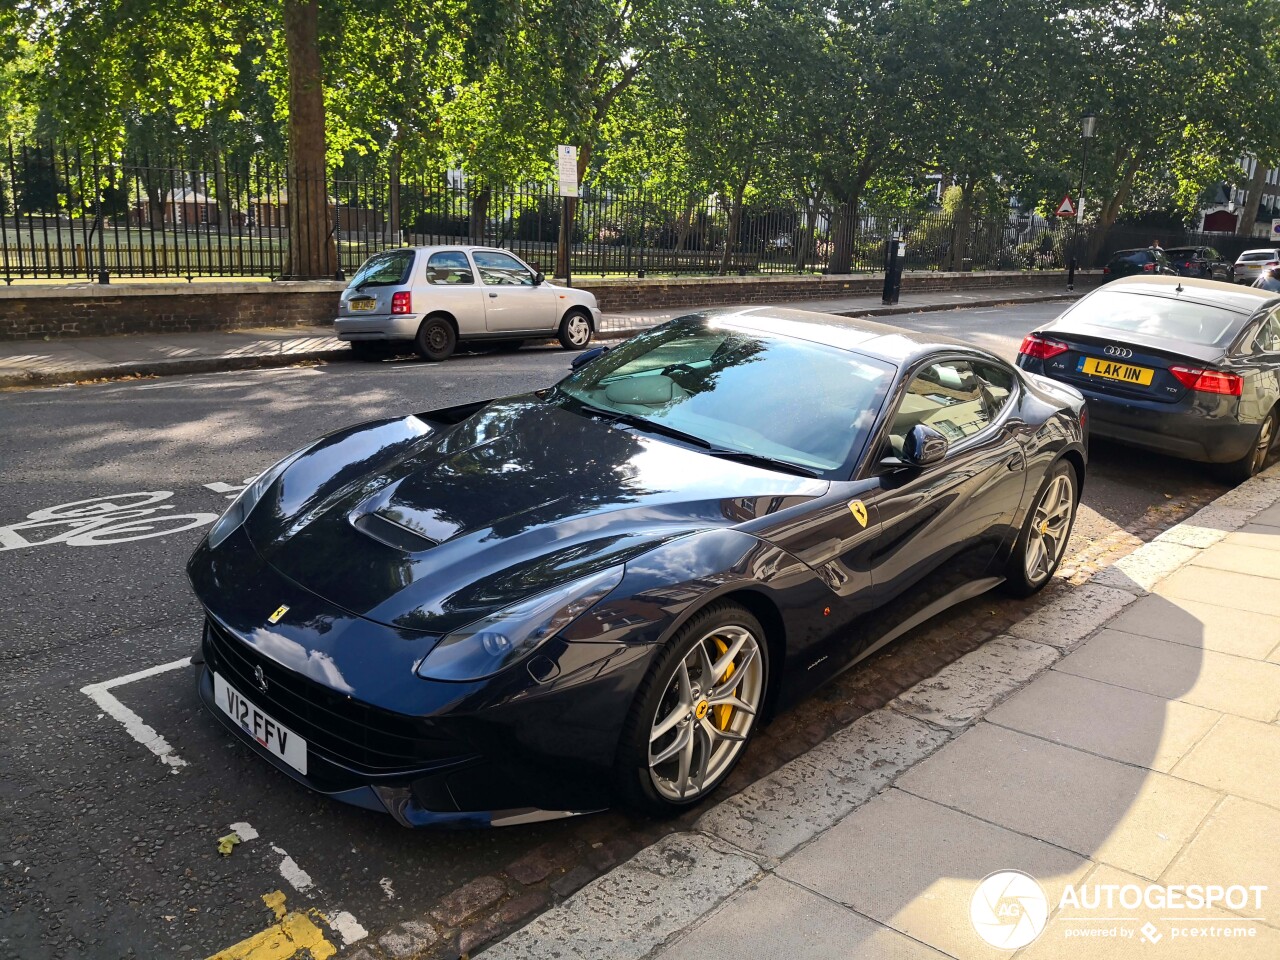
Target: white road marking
pixel 347 927
pixel 244 831
pixel 136 727
pixel 298 878
pixel 385 884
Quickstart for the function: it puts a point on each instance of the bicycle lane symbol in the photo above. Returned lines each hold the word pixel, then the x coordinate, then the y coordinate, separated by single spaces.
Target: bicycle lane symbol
pixel 99 521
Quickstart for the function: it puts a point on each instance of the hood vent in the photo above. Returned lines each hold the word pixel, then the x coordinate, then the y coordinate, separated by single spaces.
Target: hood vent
pixel 379 528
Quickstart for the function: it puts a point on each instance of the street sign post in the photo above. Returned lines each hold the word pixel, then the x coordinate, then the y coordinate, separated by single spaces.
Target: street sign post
pixel 567 173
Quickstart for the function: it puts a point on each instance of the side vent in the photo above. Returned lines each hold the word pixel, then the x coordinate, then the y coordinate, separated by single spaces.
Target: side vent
pixel 386 531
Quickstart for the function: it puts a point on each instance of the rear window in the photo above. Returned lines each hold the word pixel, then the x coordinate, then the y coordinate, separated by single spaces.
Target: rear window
pixel 1257 256
pixel 1158 317
pixel 1133 256
pixel 384 269
pixel 1182 253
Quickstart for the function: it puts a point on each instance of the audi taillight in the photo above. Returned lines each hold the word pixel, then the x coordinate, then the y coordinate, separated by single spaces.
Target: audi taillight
pixel 1209 381
pixel 1105 271
pixel 1148 268
pixel 1041 348
pixel 402 302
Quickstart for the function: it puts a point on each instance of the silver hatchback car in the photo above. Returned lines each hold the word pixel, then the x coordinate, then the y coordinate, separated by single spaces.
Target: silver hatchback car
pixel 434 297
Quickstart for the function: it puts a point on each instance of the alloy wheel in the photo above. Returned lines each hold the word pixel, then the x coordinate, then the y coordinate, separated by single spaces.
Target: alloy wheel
pixel 579 330
pixel 706 712
pixel 1050 525
pixel 1265 437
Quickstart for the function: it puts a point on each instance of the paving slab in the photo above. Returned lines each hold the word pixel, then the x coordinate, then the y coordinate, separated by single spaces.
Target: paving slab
pixel 1240 757
pixel 635 907
pixel 1257 536
pixel 1110 721
pixel 1236 590
pixel 1238 558
pixel 964 690
pixel 913 865
pixel 1068 619
pixel 1146 566
pixel 798 801
pixel 1117 933
pixel 1178 671
pixel 1239 843
pixel 1204 625
pixel 1269 517
pixel 1115 813
pixel 780 919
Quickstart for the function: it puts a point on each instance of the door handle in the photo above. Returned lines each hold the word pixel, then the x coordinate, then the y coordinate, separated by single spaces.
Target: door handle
pixel 493 294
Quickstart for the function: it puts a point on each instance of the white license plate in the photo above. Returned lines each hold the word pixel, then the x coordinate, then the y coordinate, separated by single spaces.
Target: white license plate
pixel 269 733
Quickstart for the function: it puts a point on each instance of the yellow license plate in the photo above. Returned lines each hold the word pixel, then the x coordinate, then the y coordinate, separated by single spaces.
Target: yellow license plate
pixel 366 304
pixel 1117 371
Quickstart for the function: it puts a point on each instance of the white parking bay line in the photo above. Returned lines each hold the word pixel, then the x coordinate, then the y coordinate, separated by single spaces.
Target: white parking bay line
pixel 298 878
pixel 137 728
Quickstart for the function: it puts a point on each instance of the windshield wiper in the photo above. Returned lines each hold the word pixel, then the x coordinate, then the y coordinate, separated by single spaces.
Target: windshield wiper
pixel 643 423
pixel 759 460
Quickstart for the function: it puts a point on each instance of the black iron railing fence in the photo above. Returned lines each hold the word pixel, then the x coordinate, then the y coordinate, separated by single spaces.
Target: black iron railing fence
pixel 68 214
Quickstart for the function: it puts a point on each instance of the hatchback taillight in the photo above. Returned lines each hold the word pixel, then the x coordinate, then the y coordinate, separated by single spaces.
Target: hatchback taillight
pixel 1041 348
pixel 1148 268
pixel 1209 381
pixel 402 302
pixel 1105 271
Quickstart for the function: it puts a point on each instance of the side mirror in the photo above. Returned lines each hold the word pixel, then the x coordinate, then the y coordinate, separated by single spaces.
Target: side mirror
pixel 538 278
pixel 586 356
pixel 923 446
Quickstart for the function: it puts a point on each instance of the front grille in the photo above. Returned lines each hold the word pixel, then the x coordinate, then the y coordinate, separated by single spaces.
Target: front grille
pixel 343 730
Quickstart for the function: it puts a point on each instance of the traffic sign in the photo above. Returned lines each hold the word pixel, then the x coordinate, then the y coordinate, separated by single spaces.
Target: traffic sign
pixel 567 168
pixel 1275 228
pixel 1066 208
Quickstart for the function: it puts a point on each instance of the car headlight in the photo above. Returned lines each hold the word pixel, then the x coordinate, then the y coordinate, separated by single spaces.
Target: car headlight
pixel 482 648
pixel 243 505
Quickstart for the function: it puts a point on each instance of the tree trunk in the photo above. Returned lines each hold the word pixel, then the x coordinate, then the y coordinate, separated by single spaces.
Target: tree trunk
pixel 479 214
pixel 735 219
pixel 964 219
pixel 1111 210
pixel 811 206
pixel 686 223
pixel 391 229
pixel 312 251
pixel 843 231
pixel 1252 200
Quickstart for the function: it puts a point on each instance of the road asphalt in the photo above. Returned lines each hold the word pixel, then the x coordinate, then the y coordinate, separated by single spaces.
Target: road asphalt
pixel 29 363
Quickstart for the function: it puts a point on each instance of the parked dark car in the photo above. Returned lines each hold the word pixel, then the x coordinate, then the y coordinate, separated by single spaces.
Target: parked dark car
pixel 1185 367
pixel 592 594
pixel 1126 263
pixel 1203 262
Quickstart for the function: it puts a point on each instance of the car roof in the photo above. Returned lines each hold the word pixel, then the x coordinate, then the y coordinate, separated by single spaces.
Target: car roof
pixel 1258 250
pixel 1228 296
pixel 895 345
pixel 473 247
pixel 1116 253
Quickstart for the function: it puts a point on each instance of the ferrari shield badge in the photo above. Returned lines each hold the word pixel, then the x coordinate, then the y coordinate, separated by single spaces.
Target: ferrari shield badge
pixel 281 610
pixel 859 511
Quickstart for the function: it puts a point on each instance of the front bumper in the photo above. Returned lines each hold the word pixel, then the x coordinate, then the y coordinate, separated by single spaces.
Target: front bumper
pixel 398 327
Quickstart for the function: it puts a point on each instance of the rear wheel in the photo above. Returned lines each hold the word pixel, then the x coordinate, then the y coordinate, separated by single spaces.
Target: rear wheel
pixel 575 330
pixel 436 339
pixel 695 711
pixel 1253 461
pixel 1042 541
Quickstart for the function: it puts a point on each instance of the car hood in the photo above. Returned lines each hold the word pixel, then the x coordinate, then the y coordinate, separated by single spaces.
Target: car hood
pixel 427 525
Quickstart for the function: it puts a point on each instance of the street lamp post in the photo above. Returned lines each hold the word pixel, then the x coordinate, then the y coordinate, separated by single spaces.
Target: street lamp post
pixel 1088 125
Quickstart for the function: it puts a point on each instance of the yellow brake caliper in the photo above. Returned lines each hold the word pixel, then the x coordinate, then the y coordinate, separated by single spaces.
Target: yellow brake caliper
pixel 724 711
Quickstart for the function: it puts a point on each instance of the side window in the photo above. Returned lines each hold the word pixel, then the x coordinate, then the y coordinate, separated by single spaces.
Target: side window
pixel 501 270
pixel 449 267
pixel 1268 338
pixel 958 398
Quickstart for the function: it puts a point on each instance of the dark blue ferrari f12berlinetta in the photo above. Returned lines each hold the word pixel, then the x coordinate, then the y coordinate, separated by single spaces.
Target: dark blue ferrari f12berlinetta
pixel 595 593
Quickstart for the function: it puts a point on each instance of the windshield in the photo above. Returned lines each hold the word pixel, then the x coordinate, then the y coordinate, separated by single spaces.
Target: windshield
pixel 749 392
pixel 1182 253
pixel 1164 317
pixel 384 269
pixel 1133 256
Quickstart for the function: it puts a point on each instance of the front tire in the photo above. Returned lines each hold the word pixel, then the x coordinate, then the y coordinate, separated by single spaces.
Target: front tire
pixel 1042 542
pixel 694 712
pixel 575 330
pixel 436 339
pixel 1253 461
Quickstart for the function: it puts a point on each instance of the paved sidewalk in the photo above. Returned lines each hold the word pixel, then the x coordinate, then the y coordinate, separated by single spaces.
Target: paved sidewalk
pixel 29 363
pixel 1123 742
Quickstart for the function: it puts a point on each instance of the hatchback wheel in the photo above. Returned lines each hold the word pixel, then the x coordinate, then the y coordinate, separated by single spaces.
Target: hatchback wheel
pixel 1253 461
pixel 695 711
pixel 575 330
pixel 436 339
pixel 1043 540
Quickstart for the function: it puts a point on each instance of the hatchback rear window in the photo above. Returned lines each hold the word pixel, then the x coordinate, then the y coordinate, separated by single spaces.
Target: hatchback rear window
pixel 1133 256
pixel 388 269
pixel 1163 317
pixel 1182 253
pixel 1261 256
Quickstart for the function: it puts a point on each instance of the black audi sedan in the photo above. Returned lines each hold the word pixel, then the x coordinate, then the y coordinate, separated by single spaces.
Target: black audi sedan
pixel 1203 262
pixel 1189 368
pixel 593 594
pixel 1144 260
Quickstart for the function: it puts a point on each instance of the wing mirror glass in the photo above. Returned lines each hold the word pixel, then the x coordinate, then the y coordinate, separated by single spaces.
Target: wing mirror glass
pixel 538 278
pixel 586 356
pixel 923 446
